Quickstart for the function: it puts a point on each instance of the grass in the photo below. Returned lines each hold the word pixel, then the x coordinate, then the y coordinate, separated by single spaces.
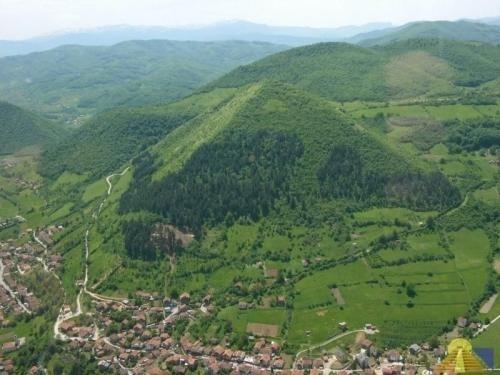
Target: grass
pixel 378 296
pixel 391 214
pixel 240 318
pixel 489 196
pixel 471 249
pixel 489 339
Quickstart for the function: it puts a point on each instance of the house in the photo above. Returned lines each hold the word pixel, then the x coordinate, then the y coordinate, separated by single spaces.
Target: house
pixel 393 356
pixel 207 299
pixel 318 363
pixel 218 351
pixel 181 370
pixel 366 344
pixel 278 363
pixel 439 352
pixel 362 360
pixel 306 364
pixel 184 298
pixel 415 349
pixel 242 305
pixel 462 322
pixel 265 360
pixel 281 301
pixel 272 273
pixel 9 347
pixel 67 326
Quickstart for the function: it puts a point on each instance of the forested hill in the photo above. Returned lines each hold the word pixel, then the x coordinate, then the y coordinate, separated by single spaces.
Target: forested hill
pixel 112 138
pixel 346 72
pixel 73 80
pixel 273 143
pixel 459 30
pixel 20 128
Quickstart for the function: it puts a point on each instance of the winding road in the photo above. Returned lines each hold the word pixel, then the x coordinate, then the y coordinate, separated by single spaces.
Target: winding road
pixel 329 341
pixel 83 289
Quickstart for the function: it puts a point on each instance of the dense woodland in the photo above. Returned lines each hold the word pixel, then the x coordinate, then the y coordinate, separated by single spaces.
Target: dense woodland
pixel 20 128
pixel 241 174
pixel 89 80
pixel 109 140
pixel 346 72
pixel 344 176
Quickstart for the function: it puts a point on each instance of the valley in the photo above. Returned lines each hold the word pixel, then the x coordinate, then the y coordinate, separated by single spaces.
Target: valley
pixel 328 208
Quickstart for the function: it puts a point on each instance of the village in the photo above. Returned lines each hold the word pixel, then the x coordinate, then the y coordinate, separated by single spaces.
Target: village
pixel 138 336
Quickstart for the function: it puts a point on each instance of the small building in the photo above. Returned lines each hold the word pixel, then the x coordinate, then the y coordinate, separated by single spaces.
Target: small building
pixel 462 322
pixel 393 356
pixel 9 346
pixel 366 344
pixel 415 349
pixel 184 298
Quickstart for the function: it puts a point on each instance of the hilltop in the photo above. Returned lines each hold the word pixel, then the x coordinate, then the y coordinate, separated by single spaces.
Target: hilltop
pixel 20 128
pixel 73 81
pixel 458 30
pixel 223 31
pixel 345 72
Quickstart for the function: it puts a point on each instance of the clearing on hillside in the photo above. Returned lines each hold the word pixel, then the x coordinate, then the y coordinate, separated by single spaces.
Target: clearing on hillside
pixel 263 330
pixel 338 296
pixel 485 309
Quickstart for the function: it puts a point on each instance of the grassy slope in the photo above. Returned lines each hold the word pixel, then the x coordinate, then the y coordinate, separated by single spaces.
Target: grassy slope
pixel 92 79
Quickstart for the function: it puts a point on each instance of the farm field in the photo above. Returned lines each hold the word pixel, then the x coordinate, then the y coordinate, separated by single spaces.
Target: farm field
pixel 489 339
pixel 241 319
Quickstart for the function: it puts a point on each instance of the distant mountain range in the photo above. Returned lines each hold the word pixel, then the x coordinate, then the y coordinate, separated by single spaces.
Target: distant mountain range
pixel 236 30
pixel 459 30
pixel 70 81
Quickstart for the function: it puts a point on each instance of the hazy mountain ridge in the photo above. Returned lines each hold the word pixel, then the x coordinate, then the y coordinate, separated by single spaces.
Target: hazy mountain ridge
pixel 237 30
pixel 70 81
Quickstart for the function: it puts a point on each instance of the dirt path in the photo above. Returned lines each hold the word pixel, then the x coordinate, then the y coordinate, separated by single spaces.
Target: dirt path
pixel 83 289
pixel 108 179
pixel 485 309
pixel 46 252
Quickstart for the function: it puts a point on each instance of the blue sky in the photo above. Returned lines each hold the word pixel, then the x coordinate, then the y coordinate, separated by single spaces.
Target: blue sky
pixel 26 18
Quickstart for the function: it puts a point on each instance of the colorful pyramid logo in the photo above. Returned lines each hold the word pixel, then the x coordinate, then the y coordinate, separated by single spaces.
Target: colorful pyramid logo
pixel 460 359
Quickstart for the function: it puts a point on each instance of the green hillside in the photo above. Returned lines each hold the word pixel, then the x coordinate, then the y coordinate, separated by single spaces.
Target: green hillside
pixel 112 138
pixel 345 72
pixel 20 128
pixel 279 144
pixel 459 30
pixel 73 80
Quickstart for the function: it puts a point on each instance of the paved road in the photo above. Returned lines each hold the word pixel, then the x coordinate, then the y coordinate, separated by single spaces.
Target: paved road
pixel 10 291
pixel 329 341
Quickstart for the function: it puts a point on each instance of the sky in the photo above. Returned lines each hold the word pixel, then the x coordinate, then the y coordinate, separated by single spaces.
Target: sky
pixel 26 18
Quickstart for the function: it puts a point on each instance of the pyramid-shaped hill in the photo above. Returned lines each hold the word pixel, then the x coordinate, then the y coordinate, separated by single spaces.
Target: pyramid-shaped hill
pixel 274 143
pixel 403 69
